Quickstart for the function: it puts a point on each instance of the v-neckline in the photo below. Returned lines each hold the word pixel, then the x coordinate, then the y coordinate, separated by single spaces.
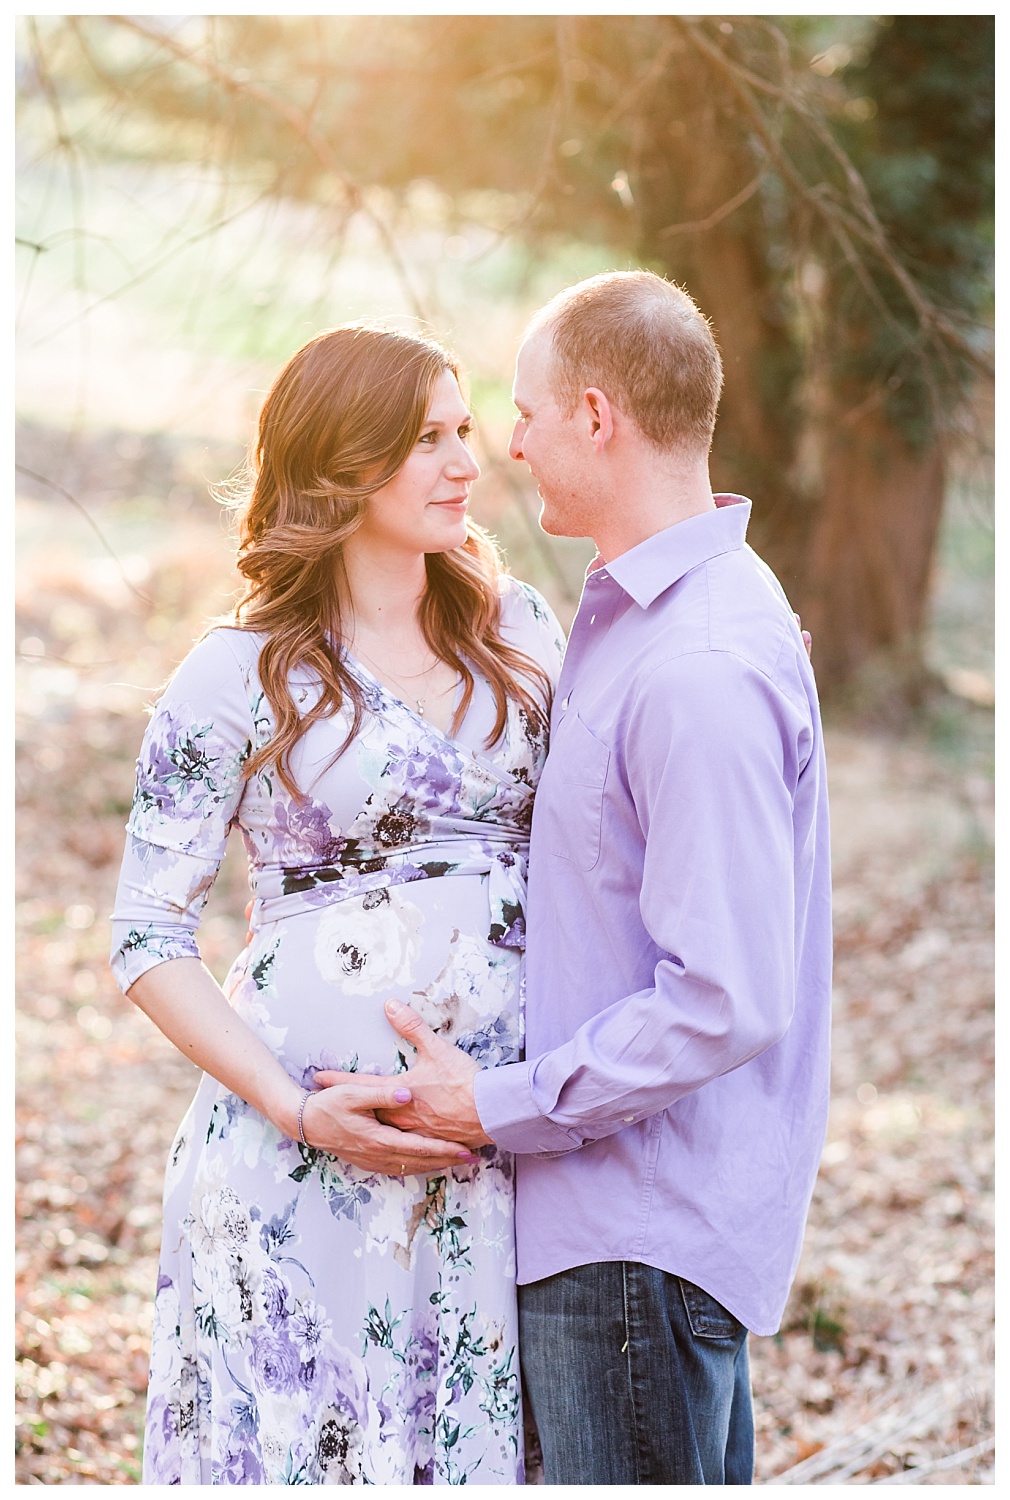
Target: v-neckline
pixel 443 734
pixel 480 756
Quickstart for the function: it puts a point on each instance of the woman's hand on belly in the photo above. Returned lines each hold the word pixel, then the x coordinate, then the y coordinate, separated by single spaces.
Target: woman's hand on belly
pixel 341 1121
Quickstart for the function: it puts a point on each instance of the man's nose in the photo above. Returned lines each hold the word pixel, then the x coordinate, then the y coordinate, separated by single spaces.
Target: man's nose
pixel 516 441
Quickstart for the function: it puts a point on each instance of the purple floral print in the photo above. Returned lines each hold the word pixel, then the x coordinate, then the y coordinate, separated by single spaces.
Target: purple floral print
pixel 316 1323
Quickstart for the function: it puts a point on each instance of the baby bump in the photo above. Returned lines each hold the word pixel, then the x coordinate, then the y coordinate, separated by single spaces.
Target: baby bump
pixel 313 984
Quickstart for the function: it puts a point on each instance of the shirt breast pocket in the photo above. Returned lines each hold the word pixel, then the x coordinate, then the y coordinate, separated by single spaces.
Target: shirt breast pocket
pixel 580 764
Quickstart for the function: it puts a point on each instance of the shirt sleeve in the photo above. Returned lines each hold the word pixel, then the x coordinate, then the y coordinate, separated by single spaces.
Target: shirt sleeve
pixel 189 787
pixel 711 755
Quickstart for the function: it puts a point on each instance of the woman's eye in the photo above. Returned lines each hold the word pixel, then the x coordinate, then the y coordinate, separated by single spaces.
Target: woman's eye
pixel 466 433
pixel 428 437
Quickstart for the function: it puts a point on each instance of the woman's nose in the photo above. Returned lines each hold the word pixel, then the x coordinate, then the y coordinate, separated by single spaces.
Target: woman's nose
pixel 465 466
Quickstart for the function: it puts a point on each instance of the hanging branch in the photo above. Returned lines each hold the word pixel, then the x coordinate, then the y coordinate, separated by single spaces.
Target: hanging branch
pixel 696 226
pixel 546 170
pixel 99 533
pixel 304 128
pixel 630 97
pixel 862 223
pixel 164 260
pixel 64 141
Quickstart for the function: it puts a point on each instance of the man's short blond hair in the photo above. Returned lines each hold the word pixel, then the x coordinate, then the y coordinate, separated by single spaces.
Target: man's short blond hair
pixel 644 343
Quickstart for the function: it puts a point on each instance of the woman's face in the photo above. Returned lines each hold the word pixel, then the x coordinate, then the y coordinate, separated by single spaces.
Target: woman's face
pixel 423 507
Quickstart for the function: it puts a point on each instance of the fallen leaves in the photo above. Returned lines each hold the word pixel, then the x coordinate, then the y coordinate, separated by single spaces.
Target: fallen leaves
pixel 882 1370
pixel 887 1342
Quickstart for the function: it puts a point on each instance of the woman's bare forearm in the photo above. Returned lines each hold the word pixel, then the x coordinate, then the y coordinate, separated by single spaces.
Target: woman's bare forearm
pixel 186 1003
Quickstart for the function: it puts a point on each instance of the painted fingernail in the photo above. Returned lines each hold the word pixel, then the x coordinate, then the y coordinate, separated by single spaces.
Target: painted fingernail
pixel 402 1096
pixel 465 1156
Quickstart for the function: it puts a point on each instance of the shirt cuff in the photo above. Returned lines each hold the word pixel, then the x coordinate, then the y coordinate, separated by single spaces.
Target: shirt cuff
pixel 504 1100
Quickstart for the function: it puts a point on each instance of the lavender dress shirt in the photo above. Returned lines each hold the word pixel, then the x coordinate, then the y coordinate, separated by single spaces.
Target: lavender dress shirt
pixel 673 1103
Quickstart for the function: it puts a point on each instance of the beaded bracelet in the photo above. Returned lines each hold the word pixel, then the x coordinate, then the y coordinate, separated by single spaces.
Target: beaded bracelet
pixel 301 1112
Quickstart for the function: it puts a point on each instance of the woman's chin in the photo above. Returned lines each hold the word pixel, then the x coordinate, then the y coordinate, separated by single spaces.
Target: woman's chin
pixel 451 538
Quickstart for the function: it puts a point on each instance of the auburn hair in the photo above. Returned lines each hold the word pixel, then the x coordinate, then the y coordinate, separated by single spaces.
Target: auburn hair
pixel 339 422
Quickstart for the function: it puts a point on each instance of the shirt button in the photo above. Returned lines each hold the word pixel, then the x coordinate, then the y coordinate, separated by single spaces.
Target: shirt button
pixel 592 619
pixel 564 703
pixel 629 1119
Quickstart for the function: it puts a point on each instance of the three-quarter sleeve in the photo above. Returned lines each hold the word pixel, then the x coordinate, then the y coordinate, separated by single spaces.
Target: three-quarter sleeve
pixel 189 788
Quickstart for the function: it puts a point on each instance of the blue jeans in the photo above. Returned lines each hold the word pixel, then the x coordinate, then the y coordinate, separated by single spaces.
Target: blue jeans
pixel 635 1377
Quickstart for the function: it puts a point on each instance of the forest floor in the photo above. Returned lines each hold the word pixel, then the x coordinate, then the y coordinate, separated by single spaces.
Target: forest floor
pixel 882 1372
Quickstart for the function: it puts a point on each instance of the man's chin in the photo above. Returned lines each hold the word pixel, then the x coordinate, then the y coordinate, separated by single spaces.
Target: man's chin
pixel 555 525
pixel 550 521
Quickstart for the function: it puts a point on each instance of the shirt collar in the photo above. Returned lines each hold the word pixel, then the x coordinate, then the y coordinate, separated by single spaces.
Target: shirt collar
pixel 647 570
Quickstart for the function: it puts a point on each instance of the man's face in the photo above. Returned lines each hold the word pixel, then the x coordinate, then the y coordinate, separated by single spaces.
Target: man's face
pixel 551 443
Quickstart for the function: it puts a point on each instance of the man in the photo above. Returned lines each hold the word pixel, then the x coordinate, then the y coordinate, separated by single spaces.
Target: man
pixel 669 1117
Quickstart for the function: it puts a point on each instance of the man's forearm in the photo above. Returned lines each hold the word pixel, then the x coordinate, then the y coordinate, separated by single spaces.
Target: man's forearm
pixel 635 1058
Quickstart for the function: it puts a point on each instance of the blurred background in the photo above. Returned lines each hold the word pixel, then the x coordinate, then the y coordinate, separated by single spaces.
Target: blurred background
pixel 198 196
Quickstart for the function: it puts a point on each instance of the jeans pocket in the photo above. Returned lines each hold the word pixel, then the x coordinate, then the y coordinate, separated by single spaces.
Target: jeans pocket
pixel 707 1317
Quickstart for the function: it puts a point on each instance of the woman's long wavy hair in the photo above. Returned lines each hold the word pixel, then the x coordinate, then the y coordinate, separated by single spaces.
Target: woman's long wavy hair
pixel 338 424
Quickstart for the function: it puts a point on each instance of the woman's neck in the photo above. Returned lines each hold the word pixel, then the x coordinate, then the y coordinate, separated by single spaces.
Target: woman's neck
pixel 384 591
pixel 382 625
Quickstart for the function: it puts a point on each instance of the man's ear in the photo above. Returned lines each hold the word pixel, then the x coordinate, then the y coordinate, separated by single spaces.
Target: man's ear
pixel 600 417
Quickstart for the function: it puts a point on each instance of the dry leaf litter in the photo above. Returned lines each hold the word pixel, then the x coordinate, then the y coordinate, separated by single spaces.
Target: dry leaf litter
pixel 882 1372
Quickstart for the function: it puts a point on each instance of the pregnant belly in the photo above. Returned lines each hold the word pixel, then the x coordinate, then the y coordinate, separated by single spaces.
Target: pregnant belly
pixel 313 985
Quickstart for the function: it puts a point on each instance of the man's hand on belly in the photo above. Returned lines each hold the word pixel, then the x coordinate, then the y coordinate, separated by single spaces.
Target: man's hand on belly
pixel 440 1084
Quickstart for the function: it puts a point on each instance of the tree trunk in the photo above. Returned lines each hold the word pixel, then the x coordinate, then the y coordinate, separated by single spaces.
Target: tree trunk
pixel 694 161
pixel 866 588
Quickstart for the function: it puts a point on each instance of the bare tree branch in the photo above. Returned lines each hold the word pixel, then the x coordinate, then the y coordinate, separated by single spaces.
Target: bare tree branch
pixel 156 265
pixel 729 207
pixel 99 533
pixel 935 1465
pixel 304 128
pixel 863 223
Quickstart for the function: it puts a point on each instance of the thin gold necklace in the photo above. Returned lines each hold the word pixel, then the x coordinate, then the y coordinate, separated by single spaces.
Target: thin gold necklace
pixel 408 677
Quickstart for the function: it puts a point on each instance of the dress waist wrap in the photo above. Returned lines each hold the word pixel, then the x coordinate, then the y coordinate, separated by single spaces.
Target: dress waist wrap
pixel 284 891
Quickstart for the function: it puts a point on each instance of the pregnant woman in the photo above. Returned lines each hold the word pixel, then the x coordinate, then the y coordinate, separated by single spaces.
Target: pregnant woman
pixel 336 1300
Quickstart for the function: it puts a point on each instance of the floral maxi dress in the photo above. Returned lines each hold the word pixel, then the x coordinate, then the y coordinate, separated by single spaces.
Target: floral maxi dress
pixel 316 1323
